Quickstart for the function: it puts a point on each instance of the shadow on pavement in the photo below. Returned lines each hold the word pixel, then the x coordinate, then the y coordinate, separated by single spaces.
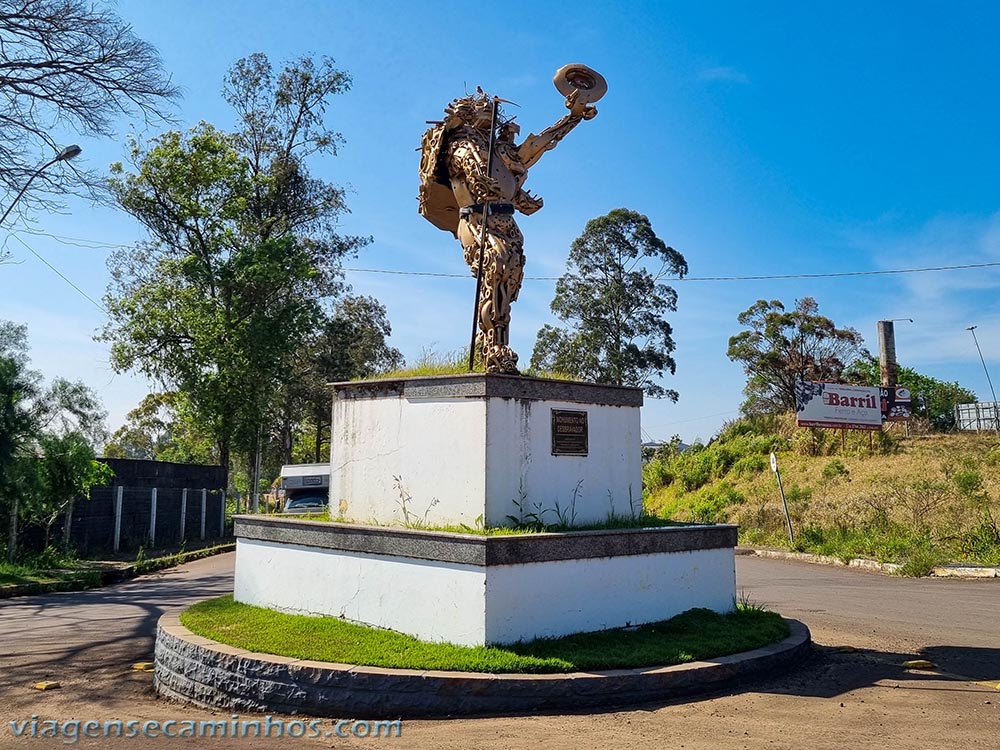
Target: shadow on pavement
pixel 98 632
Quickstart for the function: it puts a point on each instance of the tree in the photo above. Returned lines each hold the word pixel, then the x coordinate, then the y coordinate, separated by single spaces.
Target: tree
pixel 351 344
pixel 243 249
pixel 162 428
pixel 782 346
pixel 65 470
pixel 46 438
pixel 68 64
pixel 932 399
pixel 20 389
pixel 282 125
pixel 613 306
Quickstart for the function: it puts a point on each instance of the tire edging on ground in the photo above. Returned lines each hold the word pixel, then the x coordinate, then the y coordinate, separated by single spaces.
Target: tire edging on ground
pixel 209 674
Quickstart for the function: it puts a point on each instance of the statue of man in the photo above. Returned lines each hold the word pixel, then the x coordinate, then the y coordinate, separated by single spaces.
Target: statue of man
pixel 461 186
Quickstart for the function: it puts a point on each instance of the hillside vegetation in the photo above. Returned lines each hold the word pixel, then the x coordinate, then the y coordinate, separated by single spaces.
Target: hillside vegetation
pixel 921 500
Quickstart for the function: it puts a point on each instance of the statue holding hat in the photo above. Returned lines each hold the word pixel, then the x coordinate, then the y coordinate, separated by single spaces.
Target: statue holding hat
pixel 472 175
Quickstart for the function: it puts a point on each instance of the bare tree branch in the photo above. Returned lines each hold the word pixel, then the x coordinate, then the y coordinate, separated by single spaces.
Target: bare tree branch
pixel 69 65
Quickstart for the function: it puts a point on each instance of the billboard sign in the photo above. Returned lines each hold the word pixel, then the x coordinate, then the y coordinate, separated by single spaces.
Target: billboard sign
pixel 853 407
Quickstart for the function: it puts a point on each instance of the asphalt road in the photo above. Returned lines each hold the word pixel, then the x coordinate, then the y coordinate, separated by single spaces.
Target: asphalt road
pixel 84 638
pixel 954 623
pixel 853 694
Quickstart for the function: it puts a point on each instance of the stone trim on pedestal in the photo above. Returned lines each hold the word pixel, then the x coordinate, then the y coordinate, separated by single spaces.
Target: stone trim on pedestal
pixel 484 551
pixel 480 385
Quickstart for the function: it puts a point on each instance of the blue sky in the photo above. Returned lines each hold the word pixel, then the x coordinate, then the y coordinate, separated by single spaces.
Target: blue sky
pixel 760 139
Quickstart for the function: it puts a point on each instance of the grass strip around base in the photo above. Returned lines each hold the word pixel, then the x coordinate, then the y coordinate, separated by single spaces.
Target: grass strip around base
pixel 12 574
pixel 77 575
pixel 692 636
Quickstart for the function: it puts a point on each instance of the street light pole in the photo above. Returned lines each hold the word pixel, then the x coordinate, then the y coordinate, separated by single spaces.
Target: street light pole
pixel 988 380
pixel 65 155
pixel 996 422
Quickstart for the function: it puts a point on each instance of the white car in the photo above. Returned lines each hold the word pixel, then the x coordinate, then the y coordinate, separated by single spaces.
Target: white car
pixel 307 502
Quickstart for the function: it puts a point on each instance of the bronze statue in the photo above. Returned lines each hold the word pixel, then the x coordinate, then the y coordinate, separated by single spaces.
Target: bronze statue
pixel 472 176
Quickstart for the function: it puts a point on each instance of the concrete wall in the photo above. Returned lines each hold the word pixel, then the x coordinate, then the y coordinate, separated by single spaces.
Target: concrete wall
pixel 571 596
pixel 92 528
pixel 472 590
pixel 451 450
pixel 434 448
pixel 579 489
pixel 434 601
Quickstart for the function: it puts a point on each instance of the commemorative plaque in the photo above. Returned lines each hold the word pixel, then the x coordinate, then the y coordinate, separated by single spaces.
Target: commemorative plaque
pixel 569 432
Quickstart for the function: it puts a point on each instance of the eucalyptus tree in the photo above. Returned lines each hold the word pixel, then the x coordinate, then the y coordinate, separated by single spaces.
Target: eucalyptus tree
pixel 612 301
pixel 783 346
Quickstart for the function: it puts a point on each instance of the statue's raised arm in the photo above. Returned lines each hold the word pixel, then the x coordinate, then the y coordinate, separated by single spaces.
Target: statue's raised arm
pixel 582 86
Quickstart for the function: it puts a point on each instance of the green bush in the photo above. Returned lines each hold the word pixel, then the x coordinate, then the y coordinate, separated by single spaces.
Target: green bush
pixel 968 481
pixel 810 538
pixel 796 495
pixel 723 457
pixel 697 472
pixel 884 542
pixel 921 559
pixel 809 442
pixel 835 469
pixel 982 544
pixel 657 473
pixel 884 442
pixel 710 503
pixel 748 466
pixel 739 450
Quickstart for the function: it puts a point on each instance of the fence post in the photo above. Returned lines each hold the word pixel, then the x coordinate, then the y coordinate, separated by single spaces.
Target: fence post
pixel 68 523
pixel 118 515
pixel 152 517
pixel 184 510
pixel 12 543
pixel 204 499
pixel 222 514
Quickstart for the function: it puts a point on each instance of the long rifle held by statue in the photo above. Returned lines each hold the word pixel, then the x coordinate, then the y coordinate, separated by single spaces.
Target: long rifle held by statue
pixel 482 239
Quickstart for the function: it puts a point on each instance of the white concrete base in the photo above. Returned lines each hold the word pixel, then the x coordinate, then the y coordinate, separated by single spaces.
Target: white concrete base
pixel 574 596
pixel 478 449
pixel 465 599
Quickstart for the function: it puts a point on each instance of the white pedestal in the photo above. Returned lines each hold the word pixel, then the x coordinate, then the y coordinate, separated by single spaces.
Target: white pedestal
pixel 471 449
pixel 475 590
pixel 493 450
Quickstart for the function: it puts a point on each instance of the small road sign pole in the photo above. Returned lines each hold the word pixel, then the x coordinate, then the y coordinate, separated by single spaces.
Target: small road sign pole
pixel 784 502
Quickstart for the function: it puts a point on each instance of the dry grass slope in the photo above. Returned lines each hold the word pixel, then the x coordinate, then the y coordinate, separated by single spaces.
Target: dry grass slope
pixel 919 500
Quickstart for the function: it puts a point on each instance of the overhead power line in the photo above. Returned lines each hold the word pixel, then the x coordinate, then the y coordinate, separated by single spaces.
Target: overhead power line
pixel 74 241
pixel 61 275
pixel 772 277
pixel 98 244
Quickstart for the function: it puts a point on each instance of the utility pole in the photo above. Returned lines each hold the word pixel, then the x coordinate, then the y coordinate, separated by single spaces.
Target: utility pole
pixel 887 366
